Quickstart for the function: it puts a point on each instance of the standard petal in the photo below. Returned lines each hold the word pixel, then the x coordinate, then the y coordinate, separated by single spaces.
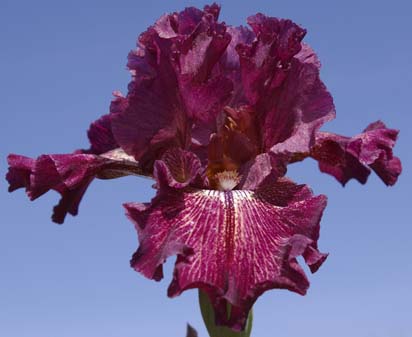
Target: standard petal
pixel 152 116
pixel 346 158
pixel 68 174
pixel 174 84
pixel 204 91
pixel 302 105
pixel 280 77
pixel 263 62
pixel 230 62
pixel 234 245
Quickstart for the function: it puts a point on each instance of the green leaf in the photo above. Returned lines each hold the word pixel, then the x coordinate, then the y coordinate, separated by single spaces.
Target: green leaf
pixel 219 331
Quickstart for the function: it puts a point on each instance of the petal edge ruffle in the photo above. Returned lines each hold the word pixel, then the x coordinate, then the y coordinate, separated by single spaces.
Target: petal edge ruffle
pixel 346 158
pixel 234 245
pixel 68 174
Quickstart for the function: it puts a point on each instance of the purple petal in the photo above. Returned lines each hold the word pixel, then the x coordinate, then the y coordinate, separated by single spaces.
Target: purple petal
pixel 174 84
pixel 178 169
pixel 307 55
pixel 280 77
pixel 151 117
pixel 234 245
pixel 20 168
pixel 101 136
pixel 263 61
pixel 346 158
pixel 301 107
pixel 68 174
pixel 204 92
pixel 258 169
pixel 230 62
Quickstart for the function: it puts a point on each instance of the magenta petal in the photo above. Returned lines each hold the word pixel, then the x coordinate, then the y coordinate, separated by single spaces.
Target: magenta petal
pixel 67 174
pixel 302 106
pixel 307 55
pixel 234 245
pixel 101 136
pixel 20 168
pixel 150 116
pixel 263 61
pixel 347 158
pixel 174 83
pixel 378 153
pixel 215 114
pixel 258 169
pixel 205 101
pixel 69 201
pixel 330 152
pixel 280 77
pixel 204 91
pixel 178 169
pixel 230 62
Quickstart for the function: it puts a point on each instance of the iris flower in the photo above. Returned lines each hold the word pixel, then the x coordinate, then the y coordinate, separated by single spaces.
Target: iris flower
pixel 214 114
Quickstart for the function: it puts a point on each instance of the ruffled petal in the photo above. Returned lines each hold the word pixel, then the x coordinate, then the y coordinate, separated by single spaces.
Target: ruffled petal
pixel 19 171
pixel 230 63
pixel 150 119
pixel 204 90
pixel 68 174
pixel 101 136
pixel 280 77
pixel 215 113
pixel 234 245
pixel 175 84
pixel 346 158
pixel 301 107
pixel 264 61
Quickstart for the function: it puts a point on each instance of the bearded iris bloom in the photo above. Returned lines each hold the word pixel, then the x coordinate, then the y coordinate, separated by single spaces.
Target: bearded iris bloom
pixel 215 114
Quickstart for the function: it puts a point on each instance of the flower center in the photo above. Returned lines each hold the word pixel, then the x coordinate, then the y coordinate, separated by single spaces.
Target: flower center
pixel 227 180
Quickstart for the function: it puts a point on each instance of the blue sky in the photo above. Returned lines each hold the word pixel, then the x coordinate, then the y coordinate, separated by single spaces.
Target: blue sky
pixel 59 63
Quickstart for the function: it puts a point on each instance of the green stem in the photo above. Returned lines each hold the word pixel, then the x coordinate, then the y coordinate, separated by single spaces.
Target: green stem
pixel 208 315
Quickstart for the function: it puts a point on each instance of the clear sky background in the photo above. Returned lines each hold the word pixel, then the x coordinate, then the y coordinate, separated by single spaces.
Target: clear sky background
pixel 59 63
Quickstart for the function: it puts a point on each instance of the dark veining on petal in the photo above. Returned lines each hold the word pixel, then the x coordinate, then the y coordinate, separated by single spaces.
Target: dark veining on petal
pixel 215 114
pixel 229 225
